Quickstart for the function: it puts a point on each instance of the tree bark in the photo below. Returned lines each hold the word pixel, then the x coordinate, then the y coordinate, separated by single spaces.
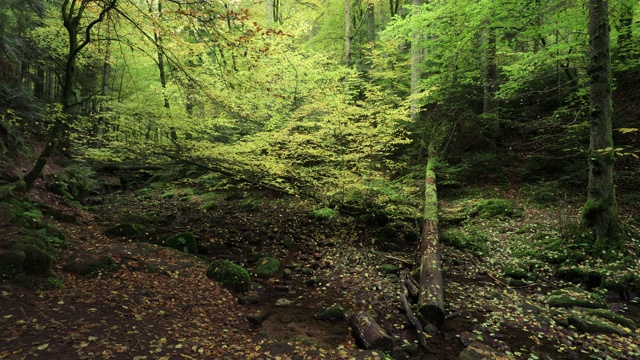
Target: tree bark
pixel 367 332
pixel 431 297
pixel 347 33
pixel 371 21
pixel 490 72
pixel 417 54
pixel 600 212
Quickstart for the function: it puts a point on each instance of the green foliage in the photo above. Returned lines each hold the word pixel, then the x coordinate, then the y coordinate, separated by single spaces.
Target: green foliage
pixel 74 182
pixel 184 242
pixel 230 275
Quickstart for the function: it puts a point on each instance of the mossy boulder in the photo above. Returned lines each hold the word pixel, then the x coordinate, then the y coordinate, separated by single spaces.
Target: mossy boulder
pixel 614 318
pixel 11 262
pixel 90 263
pixel 333 312
pixel 184 242
pixel 128 230
pixel 575 297
pixel 323 213
pixel 389 269
pixel 37 259
pixel 230 275
pixel 495 208
pixel 595 325
pixel 267 266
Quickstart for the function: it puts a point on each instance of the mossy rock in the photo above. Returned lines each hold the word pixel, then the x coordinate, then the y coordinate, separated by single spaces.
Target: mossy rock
pixel 333 312
pixel 324 213
pixel 127 229
pixel 267 266
pixel 614 318
pixel 575 297
pixel 595 325
pixel 11 262
pixel 90 263
pixel 389 269
pixel 230 275
pixel 37 259
pixel 575 274
pixel 495 208
pixel 184 242
pixel 515 272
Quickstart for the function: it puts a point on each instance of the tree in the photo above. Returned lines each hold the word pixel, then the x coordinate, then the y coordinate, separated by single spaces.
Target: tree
pixel 600 211
pixel 73 14
pixel 347 33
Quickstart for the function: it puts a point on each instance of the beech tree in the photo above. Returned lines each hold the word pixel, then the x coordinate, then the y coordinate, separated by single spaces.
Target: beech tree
pixel 600 211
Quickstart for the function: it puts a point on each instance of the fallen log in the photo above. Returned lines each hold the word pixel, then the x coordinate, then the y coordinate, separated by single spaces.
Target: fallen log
pixel 367 332
pixel 412 319
pixel 431 297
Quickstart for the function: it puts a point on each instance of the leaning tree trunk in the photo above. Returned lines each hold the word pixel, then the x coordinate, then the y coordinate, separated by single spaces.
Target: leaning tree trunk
pixel 431 297
pixel 600 212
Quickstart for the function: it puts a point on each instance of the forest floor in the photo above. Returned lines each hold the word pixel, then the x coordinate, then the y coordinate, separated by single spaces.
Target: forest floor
pixel 158 303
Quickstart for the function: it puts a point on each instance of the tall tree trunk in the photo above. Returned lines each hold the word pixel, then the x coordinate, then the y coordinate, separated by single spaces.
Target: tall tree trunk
pixel 431 297
pixel 371 21
pixel 490 72
pixel 600 211
pixel 72 15
pixel 347 33
pixel 106 72
pixel 417 54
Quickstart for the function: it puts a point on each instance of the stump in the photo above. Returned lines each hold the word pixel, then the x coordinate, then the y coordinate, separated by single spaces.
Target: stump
pixel 367 332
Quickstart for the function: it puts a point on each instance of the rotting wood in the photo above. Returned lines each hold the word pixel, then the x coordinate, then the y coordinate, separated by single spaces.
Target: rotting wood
pixel 431 298
pixel 412 319
pixel 367 333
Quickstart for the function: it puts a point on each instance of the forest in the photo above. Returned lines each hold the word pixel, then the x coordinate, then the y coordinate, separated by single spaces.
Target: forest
pixel 319 179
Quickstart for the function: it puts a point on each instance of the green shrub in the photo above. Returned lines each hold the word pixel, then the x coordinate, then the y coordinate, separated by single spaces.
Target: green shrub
pixel 230 275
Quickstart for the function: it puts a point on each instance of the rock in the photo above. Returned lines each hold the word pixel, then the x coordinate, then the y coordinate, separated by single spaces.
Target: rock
pixel 282 288
pixel 86 262
pixel 37 259
pixel 574 296
pixel 11 263
pixel 184 242
pixel 248 299
pixel 283 302
pixel 258 317
pixel 257 287
pixel 527 308
pixel 308 271
pixel 467 338
pixel 310 282
pixel 430 329
pixel 230 275
pixel 332 312
pixel 267 266
pixel 279 348
pixel 479 351
pixel 129 230
pixel 287 274
pixel 595 325
pixel 614 318
pixel 389 269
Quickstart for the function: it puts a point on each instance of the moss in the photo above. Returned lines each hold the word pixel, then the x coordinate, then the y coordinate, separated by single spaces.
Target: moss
pixel 591 278
pixel 614 318
pixel 573 296
pixel 467 238
pixel 595 325
pixel 389 269
pixel 495 208
pixel 324 213
pixel 11 262
pixel 515 272
pixel 592 209
pixel 230 275
pixel 37 260
pixel 267 266
pixel 184 242
pixel 334 311
pixel 129 230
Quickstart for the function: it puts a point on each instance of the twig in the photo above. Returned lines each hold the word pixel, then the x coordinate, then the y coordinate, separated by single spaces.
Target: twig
pixel 414 321
pixel 404 261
